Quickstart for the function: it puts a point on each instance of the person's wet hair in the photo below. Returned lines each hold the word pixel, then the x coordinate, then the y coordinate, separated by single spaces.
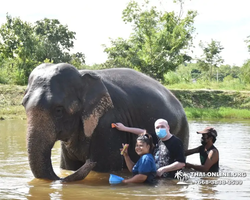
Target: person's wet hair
pixel 147 138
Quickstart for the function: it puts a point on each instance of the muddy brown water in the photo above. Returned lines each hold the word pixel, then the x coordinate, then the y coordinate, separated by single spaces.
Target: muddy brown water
pixel 18 182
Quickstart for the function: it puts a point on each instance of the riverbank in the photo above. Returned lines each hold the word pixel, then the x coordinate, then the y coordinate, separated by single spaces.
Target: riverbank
pixel 214 104
pixel 11 102
pixel 197 103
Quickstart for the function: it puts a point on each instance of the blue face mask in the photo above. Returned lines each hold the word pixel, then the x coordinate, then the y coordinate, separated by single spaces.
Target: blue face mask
pixel 161 132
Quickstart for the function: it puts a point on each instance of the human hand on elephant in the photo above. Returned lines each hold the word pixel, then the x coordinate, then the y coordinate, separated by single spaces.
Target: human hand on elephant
pixel 136 131
pixel 75 107
pixel 119 126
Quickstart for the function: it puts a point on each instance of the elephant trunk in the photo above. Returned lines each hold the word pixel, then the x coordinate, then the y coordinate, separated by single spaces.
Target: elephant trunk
pixel 41 138
pixel 40 141
pixel 40 162
pixel 39 153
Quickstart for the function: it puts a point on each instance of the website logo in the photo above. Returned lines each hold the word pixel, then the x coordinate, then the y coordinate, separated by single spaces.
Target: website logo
pixel 210 178
pixel 183 177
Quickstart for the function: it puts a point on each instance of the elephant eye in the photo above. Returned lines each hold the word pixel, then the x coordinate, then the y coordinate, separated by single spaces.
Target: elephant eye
pixel 59 111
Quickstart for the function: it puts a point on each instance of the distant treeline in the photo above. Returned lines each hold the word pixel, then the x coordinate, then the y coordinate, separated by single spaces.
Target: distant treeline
pixel 160 46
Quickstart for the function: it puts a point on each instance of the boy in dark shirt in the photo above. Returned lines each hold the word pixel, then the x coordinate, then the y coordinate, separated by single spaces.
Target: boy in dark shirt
pixel 209 154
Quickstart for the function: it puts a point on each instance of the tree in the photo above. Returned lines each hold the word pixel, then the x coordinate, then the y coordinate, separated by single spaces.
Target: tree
pixel 245 72
pixel 211 58
pixel 245 69
pixel 158 41
pixel 17 42
pixel 17 38
pixel 23 46
pixel 78 60
pixel 227 70
pixel 248 43
pixel 55 40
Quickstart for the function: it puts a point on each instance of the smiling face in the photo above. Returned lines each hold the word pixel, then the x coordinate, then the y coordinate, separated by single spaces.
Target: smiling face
pixel 141 148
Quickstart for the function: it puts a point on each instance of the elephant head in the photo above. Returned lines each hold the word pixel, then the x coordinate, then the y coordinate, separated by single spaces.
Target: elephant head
pixel 62 104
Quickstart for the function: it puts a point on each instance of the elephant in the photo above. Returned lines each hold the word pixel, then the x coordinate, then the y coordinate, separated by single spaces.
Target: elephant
pixel 77 108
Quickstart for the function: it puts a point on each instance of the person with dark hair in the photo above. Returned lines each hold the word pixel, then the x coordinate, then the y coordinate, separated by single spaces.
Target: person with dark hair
pixel 144 170
pixel 168 154
pixel 209 154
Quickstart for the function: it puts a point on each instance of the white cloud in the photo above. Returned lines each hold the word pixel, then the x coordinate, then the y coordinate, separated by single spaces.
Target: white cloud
pixel 96 20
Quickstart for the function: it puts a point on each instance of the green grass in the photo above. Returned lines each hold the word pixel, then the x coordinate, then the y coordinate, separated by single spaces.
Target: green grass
pixel 12 112
pixel 10 102
pixel 207 113
pixel 11 108
pixel 231 85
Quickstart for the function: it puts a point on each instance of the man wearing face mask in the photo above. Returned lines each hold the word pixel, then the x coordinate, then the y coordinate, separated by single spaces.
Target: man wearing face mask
pixel 168 154
pixel 209 154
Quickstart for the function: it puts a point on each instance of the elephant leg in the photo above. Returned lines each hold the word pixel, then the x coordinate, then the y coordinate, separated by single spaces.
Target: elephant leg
pixel 67 163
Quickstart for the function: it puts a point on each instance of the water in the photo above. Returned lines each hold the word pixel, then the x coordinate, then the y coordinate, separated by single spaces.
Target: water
pixel 18 182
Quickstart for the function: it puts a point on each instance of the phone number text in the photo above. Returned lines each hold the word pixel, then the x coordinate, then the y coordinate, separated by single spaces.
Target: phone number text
pixel 218 182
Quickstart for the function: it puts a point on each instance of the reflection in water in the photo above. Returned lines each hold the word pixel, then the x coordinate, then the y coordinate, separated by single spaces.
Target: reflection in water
pixel 17 181
pixel 95 190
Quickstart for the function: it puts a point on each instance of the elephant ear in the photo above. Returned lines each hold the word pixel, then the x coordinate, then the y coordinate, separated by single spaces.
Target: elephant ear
pixel 96 101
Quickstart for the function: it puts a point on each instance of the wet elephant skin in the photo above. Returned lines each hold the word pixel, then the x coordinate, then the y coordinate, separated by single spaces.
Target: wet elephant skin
pixel 78 107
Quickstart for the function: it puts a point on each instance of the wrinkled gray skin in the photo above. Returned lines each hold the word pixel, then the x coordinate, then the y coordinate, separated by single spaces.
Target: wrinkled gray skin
pixel 78 107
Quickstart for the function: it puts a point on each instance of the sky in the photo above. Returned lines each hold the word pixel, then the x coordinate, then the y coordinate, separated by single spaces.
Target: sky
pixel 96 21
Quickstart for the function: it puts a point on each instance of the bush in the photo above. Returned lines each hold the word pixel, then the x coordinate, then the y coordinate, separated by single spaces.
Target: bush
pixel 245 72
pixel 171 78
pixel 15 71
pixel 228 78
pixel 3 76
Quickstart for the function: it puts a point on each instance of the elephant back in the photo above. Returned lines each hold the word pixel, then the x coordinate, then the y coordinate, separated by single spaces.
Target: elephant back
pixel 140 101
